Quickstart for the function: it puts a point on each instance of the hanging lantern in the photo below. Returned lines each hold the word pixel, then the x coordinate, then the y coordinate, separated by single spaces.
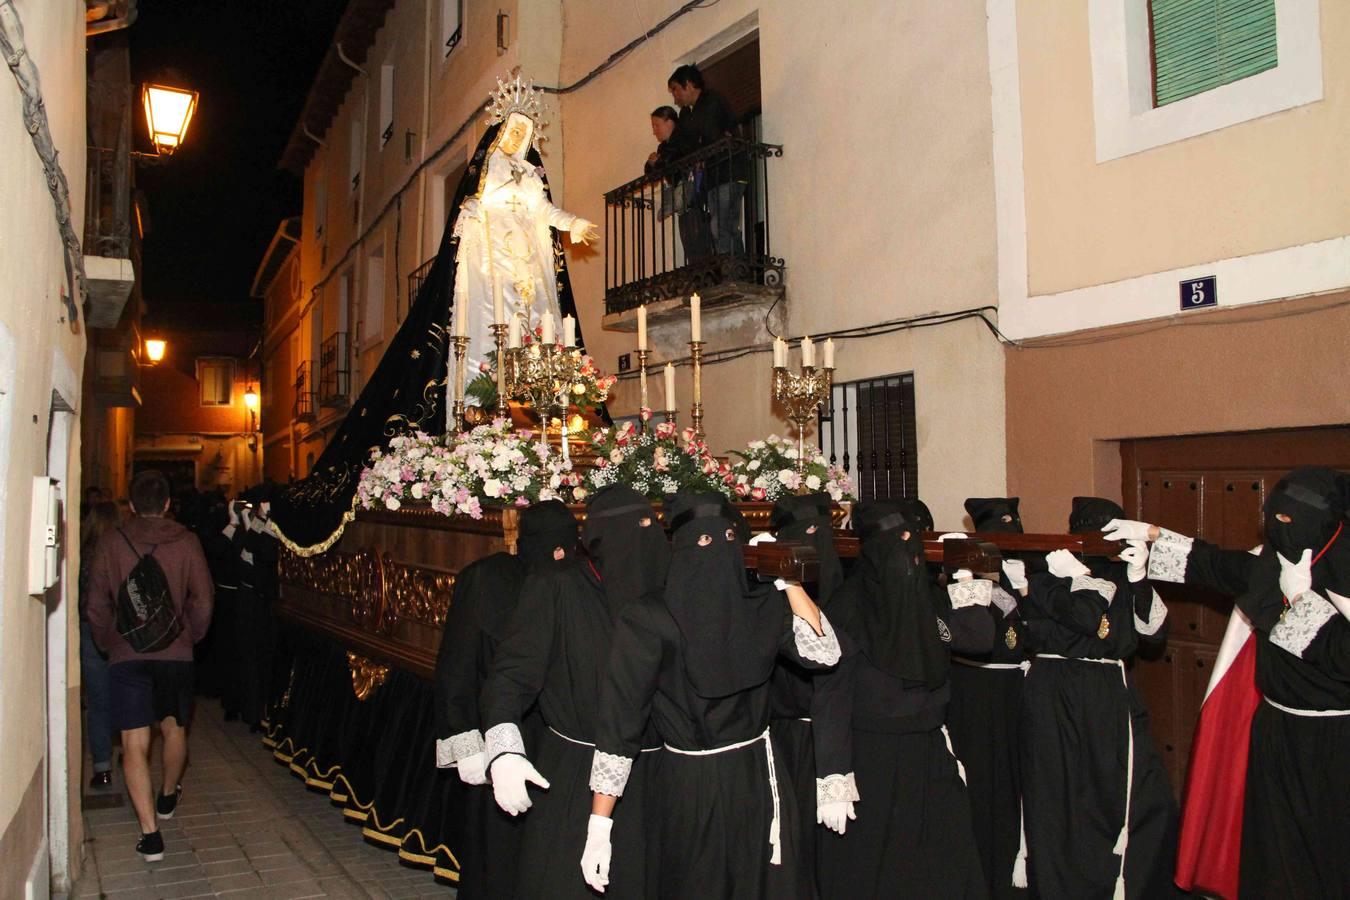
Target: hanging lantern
pixel 168 111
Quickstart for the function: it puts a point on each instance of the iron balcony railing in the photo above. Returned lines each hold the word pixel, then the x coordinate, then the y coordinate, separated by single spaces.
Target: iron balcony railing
pixel 335 370
pixel 701 221
pixel 306 393
pixel 416 278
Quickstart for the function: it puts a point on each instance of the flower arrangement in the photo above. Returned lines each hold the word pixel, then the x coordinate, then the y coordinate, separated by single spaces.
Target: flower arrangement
pixel 656 462
pixel 489 464
pixel 588 392
pixel 767 470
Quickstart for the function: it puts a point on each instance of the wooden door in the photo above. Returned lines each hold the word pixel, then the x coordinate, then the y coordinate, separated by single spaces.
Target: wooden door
pixel 1213 487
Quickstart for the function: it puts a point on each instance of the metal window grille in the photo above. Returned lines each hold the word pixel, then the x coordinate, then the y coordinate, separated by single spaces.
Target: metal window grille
pixel 306 393
pixel 335 371
pixel 870 429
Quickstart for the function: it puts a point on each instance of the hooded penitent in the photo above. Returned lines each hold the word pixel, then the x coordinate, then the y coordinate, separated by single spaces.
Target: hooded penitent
pixel 806 519
pixel 994 514
pixel 626 543
pixel 894 620
pixel 730 629
pixel 916 511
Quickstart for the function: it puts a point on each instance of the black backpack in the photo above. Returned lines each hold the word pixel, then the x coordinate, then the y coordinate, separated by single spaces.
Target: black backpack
pixel 146 616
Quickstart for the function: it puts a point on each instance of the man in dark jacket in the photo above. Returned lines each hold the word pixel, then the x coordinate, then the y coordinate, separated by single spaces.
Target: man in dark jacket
pixel 154 687
pixel 705 119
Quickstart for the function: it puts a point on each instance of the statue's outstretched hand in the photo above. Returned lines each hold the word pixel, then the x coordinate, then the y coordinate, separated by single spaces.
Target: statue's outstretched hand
pixel 583 232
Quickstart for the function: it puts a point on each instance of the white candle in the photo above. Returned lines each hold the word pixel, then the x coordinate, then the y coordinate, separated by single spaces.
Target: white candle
pixel 642 327
pixel 779 353
pixel 569 331
pixel 808 352
pixel 547 329
pixel 670 386
pixel 829 353
pixel 498 312
pixel 513 334
pixel 459 320
pixel 695 320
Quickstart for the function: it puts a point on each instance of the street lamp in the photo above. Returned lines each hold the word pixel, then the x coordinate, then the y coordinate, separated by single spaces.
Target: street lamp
pixel 154 349
pixel 251 399
pixel 168 111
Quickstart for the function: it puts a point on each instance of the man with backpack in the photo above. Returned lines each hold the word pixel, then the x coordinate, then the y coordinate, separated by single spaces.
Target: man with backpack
pixel 150 598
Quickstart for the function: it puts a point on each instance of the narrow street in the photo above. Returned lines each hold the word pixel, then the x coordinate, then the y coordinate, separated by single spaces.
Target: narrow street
pixel 244 828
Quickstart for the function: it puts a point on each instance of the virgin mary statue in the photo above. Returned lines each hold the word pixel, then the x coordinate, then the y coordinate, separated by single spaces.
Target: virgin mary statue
pixel 501 254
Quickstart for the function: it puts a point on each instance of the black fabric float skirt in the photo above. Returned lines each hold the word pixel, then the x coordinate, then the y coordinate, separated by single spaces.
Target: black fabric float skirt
pixel 797 756
pixel 710 819
pixel 1295 816
pixel 913 836
pixel 549 861
pixel 1087 757
pixel 983 717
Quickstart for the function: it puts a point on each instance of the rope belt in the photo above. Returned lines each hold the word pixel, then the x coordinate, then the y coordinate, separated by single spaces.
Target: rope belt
pixel 572 740
pixel 975 664
pixel 1123 840
pixel 775 841
pixel 960 768
pixel 1310 713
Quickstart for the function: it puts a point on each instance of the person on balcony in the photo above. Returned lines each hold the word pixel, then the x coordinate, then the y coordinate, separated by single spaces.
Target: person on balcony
pixel 705 119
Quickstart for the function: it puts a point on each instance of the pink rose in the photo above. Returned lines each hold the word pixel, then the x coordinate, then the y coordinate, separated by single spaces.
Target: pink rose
pixel 742 490
pixel 757 493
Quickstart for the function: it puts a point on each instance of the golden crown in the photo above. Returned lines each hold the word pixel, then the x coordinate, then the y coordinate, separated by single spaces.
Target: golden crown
pixel 516 96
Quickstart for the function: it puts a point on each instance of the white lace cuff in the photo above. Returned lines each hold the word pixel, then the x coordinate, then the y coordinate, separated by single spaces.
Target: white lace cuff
pixel 1087 583
pixel 458 746
pixel 833 788
pixel 445 754
pixel 503 738
pixel 1157 612
pixel 822 649
pixel 1006 603
pixel 973 592
pixel 1167 557
pixel 609 773
pixel 1300 624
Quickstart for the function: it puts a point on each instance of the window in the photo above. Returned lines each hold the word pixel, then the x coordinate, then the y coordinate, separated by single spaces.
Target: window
pixel 1199 45
pixel 372 315
pixel 357 147
pixel 215 380
pixel 452 24
pixel 386 103
pixel 870 429
pixel 320 204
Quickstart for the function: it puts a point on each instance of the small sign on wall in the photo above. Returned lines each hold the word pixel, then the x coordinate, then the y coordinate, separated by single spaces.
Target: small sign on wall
pixel 625 362
pixel 1198 293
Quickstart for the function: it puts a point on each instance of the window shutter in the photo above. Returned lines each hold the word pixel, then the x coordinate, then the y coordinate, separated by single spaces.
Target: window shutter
pixel 1199 45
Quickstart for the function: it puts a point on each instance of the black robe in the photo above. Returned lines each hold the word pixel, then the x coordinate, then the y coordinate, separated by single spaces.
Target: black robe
pixel 256 624
pixel 708 816
pixel 1080 718
pixel 554 654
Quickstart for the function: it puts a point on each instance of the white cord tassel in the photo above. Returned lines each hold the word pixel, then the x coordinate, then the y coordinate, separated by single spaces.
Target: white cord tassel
pixel 1123 841
pixel 1019 873
pixel 960 767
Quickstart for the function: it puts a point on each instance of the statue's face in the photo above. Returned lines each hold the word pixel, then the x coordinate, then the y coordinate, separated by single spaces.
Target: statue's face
pixel 517 130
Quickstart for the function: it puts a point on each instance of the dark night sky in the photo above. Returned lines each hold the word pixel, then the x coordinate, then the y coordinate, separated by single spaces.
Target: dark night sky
pixel 214 206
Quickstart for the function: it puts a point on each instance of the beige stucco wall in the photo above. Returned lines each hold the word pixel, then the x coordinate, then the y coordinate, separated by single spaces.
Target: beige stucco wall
pixel 1274 182
pixel 44 354
pixel 882 204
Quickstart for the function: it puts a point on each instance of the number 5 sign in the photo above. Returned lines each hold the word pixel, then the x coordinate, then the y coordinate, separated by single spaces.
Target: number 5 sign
pixel 1199 293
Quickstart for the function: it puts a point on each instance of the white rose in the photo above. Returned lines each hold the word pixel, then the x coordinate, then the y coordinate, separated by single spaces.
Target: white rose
pixel 492 487
pixel 813 482
pixel 392 503
pixel 754 465
pixel 785 476
pixel 417 491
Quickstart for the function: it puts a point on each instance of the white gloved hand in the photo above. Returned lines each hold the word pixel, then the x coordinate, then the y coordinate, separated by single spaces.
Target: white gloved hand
pixel 835 814
pixel 472 769
pixel 596 855
pixel 510 772
pixel 1295 577
pixel 583 231
pixel 1126 530
pixel 1342 604
pixel 962 575
pixel 1063 564
pixel 1136 559
pixel 952 536
pixel 1016 570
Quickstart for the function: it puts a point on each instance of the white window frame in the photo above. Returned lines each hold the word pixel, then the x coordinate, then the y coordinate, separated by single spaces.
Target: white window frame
pixel 229 365
pixel 446 32
pixel 373 298
pixel 386 104
pixel 1126 120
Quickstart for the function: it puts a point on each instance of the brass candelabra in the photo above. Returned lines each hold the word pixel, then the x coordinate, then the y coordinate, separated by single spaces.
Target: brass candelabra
pixel 544 374
pixel 499 330
pixel 801 393
pixel 642 386
pixel 696 414
pixel 460 344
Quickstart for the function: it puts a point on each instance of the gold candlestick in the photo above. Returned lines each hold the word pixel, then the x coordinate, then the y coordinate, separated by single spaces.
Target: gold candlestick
pixel 801 393
pixel 668 415
pixel 696 414
pixel 460 343
pixel 642 387
pixel 503 360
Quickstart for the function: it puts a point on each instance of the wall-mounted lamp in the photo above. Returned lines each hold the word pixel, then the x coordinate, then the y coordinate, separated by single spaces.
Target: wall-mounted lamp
pixel 168 112
pixel 154 349
pixel 503 32
pixel 251 399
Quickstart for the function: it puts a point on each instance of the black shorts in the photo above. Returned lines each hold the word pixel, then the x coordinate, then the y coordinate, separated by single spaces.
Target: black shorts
pixel 146 691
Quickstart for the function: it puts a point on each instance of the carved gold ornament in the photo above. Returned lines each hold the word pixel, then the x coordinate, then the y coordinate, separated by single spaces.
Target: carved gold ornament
pixel 1010 638
pixel 367 675
pixel 1104 629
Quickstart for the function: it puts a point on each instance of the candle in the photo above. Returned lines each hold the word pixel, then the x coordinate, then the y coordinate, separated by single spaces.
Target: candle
pixel 829 353
pixel 569 331
pixel 498 312
pixel 459 320
pixel 695 322
pixel 513 335
pixel 779 353
pixel 547 336
pixel 670 386
pixel 642 327
pixel 808 353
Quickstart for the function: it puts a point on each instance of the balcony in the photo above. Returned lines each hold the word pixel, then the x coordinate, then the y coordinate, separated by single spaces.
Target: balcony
pixel 306 395
pixel 111 239
pixel 660 242
pixel 335 370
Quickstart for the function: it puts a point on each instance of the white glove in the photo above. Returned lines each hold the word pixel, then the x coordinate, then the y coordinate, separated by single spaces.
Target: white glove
pixel 1126 530
pixel 510 772
pixel 1136 558
pixel 595 857
pixel 472 770
pixel 1295 577
pixel 835 814
pixel 962 575
pixel 582 231
pixel 1342 604
pixel 1064 564
pixel 1016 570
pixel 952 536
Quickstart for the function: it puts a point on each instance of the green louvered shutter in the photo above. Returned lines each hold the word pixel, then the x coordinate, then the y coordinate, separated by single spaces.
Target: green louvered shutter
pixel 1199 45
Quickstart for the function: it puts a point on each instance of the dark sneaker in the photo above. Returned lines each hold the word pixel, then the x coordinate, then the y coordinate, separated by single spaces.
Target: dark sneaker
pixel 101 780
pixel 166 804
pixel 151 847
